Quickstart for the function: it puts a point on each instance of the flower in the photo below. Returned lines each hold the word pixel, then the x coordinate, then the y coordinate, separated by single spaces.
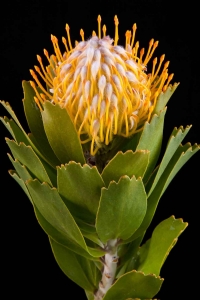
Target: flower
pixel 104 87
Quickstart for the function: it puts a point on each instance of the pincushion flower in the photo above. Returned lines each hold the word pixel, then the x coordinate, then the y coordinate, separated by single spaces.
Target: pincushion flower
pixel 88 166
pixel 104 87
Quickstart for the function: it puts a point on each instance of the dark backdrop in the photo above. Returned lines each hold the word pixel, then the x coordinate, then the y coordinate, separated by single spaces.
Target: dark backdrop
pixel 28 266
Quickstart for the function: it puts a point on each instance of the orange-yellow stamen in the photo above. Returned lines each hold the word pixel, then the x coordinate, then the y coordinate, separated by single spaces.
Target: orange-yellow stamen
pixel 56 48
pixel 141 55
pixel 116 30
pixel 39 98
pixel 133 36
pixel 159 66
pixel 68 36
pixel 168 81
pixel 39 84
pixel 65 43
pixel 149 50
pixel 128 38
pixel 45 79
pixel 104 87
pixel 136 49
pixel 148 57
pixel 43 69
pixel 99 26
pixel 38 103
pixel 82 34
pixel 104 30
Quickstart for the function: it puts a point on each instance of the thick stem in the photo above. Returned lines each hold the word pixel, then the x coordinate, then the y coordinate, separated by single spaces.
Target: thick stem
pixel 109 270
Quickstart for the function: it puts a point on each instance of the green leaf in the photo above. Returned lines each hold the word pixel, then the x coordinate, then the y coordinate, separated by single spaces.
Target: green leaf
pixel 62 134
pixel 27 157
pixel 21 183
pixel 187 151
pixel 52 208
pixel 89 295
pixel 21 169
pixel 175 139
pixel 181 156
pixel 129 163
pixel 127 254
pixel 34 119
pixel 122 209
pixel 61 237
pixel 89 231
pixel 50 169
pixel 151 180
pixel 80 188
pixel 164 97
pixel 5 122
pixel 15 131
pixel 19 136
pixel 151 139
pixel 163 239
pixel 134 285
pixel 7 106
pixel 139 257
pixel 131 143
pixel 79 269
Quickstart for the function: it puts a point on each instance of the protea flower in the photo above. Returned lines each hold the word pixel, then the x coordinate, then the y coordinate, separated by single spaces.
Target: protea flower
pixel 88 166
pixel 103 86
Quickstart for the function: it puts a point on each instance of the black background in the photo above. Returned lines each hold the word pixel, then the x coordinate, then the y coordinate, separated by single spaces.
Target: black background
pixel 28 266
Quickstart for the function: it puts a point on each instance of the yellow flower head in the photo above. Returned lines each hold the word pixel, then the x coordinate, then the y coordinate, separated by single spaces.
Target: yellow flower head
pixel 104 87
